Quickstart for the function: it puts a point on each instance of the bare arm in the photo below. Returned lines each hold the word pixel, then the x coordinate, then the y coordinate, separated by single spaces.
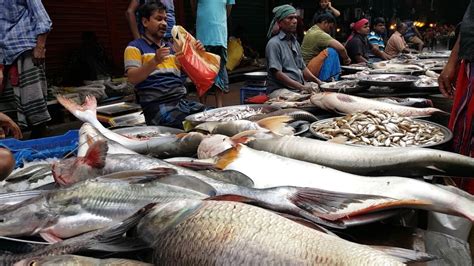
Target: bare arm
pixel 376 51
pixel 132 19
pixel 341 50
pixel 39 52
pixel 334 11
pixel 308 76
pixel 448 75
pixel 360 59
pixel 138 74
pixel 287 81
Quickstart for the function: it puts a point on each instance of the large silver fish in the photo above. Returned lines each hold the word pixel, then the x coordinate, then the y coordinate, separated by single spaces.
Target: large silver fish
pixel 78 260
pixel 348 104
pixel 270 170
pixel 366 160
pixel 164 147
pixel 231 233
pixel 92 204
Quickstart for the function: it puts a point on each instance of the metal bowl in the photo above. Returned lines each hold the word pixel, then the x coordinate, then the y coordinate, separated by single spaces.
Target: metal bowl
pixel 150 131
pixel 260 75
pixel 386 80
pixel 448 135
pixel 198 118
pixel 412 72
pixel 353 69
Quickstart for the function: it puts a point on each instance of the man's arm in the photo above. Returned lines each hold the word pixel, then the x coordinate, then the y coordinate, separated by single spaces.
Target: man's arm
pixel 228 9
pixel 308 76
pixel 448 75
pixel 132 19
pixel 138 74
pixel 10 127
pixel 287 81
pixel 43 26
pixel 341 50
pixel 376 51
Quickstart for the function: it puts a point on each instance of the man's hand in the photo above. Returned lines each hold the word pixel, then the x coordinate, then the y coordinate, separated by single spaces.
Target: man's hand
pixel 10 127
pixel 161 54
pixel 39 55
pixel 329 4
pixel 446 79
pixel 346 61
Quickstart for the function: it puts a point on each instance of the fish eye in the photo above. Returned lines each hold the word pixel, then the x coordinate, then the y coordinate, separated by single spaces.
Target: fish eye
pixel 2 220
pixel 32 263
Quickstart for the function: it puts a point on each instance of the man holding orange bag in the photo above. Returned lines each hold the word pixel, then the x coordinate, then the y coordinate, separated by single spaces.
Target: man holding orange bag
pixel 151 66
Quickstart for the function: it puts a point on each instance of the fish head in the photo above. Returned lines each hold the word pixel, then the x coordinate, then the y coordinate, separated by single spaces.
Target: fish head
pixel 213 145
pixel 25 218
pixel 73 170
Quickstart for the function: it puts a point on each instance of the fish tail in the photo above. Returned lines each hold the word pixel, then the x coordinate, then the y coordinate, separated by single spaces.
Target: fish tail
pixel 87 112
pixel 276 124
pixel 228 157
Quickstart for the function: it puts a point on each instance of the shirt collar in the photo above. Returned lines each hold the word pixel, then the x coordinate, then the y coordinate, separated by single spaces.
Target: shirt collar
pixel 282 36
pixel 151 42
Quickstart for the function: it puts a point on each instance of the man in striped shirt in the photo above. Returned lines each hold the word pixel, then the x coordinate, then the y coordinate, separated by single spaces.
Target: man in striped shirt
pixel 376 37
pixel 151 66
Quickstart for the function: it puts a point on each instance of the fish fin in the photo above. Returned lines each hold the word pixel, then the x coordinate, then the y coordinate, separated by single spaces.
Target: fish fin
pixel 405 255
pixel 227 157
pixel 339 139
pixel 436 169
pixel 24 241
pixel 95 156
pixel 50 237
pixel 243 137
pixel 181 135
pixel 19 196
pixel 277 124
pixel 196 166
pixel 322 203
pixel 372 217
pixel 230 176
pixel 307 223
pixel 208 127
pixel 87 112
pixel 89 140
pixel 189 182
pixel 304 214
pixel 138 177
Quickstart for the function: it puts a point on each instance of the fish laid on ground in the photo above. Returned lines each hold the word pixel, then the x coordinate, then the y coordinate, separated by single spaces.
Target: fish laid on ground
pixel 78 260
pixel 109 239
pixel 348 104
pixel 168 146
pixel 224 232
pixel 275 124
pixel 282 199
pixel 413 102
pixel 295 114
pixel 274 170
pixel 31 176
pixel 357 160
pixel 92 204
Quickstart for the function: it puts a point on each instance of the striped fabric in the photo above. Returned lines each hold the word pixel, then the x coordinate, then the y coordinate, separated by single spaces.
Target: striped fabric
pixel 167 76
pixel 462 118
pixel 28 98
pixel 376 39
pixel 21 21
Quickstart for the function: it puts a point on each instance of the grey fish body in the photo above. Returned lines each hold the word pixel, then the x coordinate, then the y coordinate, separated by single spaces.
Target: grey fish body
pixel 295 114
pixel 78 260
pixel 368 160
pixel 231 233
pixel 84 207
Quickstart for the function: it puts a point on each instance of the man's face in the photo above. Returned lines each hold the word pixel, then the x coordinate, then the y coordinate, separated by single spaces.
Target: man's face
pixel 156 24
pixel 379 28
pixel 403 29
pixel 323 4
pixel 288 24
pixel 364 30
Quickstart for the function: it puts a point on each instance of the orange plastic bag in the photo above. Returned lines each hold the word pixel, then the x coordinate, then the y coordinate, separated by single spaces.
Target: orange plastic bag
pixel 201 67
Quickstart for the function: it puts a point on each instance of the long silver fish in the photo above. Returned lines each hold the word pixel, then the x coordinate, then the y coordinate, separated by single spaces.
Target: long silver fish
pixel 92 204
pixel 78 260
pixel 348 104
pixel 223 232
pixel 167 146
pixel 367 160
pixel 270 170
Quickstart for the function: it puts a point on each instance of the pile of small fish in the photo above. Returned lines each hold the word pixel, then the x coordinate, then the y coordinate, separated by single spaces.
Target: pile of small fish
pixel 381 129
pixel 227 114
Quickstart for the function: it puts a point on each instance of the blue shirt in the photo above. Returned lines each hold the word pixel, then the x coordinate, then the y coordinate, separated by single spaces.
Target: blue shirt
pixel 21 21
pixel 283 53
pixel 377 40
pixel 170 17
pixel 410 31
pixel 211 22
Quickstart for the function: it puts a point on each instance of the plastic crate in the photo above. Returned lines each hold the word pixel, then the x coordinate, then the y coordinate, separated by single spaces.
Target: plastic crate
pixel 247 92
pixel 44 148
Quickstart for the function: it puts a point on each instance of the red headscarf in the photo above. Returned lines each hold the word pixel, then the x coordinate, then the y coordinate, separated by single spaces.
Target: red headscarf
pixel 357 26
